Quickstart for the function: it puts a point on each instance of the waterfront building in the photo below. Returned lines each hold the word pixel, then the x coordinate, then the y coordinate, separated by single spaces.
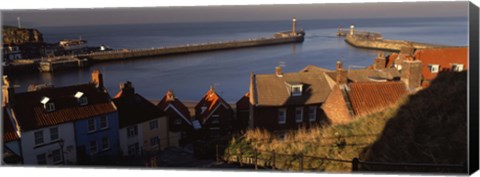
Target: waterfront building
pixel 143 127
pixel 284 101
pixel 349 101
pixel 179 119
pixel 11 141
pixel 214 114
pixel 243 113
pixel 11 52
pixel 438 60
pixel 65 125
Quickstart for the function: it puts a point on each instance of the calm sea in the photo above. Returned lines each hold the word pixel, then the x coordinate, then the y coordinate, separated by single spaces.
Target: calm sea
pixel 191 75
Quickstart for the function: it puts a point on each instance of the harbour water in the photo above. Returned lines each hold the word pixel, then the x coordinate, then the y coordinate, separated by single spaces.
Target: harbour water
pixel 228 71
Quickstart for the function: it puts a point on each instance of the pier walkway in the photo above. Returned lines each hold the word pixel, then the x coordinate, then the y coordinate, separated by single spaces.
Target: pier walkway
pixel 374 40
pixel 191 48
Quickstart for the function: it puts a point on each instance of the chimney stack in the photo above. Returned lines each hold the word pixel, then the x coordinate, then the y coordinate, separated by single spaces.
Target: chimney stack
pixel 170 96
pixel 5 91
pixel 127 89
pixel 278 71
pixel 380 61
pixel 411 73
pixel 97 78
pixel 341 73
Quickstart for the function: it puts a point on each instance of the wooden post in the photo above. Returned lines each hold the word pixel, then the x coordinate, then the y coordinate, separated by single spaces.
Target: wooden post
pixel 256 159
pixel 216 151
pixel 240 157
pixel 273 159
pixel 355 162
pixel 301 162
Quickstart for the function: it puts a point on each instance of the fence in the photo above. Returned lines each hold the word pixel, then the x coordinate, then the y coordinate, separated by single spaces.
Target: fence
pixel 300 162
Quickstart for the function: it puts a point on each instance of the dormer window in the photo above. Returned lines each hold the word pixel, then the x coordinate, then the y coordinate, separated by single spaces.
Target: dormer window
pixel 82 100
pixel 203 109
pixel 457 67
pixel 47 105
pixel 434 68
pixel 296 90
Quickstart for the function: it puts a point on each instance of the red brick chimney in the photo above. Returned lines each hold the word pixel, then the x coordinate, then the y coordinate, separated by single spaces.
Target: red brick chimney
pixel 411 73
pixel 97 78
pixel 341 73
pixel 170 96
pixel 380 61
pixel 278 71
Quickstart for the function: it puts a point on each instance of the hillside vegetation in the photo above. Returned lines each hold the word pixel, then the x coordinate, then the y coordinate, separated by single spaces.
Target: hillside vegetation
pixel 428 127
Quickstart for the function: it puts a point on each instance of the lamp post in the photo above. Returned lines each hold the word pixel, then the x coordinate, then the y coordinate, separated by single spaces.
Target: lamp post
pixel 61 143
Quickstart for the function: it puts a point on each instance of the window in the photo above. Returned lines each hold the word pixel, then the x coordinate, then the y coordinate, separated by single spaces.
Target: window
pixel 105 143
pixel 91 125
pixel 457 67
pixel 215 121
pixel 299 114
pixel 312 113
pixel 132 131
pixel 297 90
pixel 133 149
pixel 83 101
pixel 103 122
pixel 178 121
pixel 38 137
pixel 153 124
pixel 56 156
pixel 282 115
pixel 154 141
pixel 42 159
pixel 93 147
pixel 50 107
pixel 54 133
pixel 434 68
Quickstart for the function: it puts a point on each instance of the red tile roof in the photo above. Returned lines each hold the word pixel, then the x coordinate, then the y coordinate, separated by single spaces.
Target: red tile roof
pixel 134 109
pixel 210 100
pixel 175 102
pixel 391 60
pixel 31 114
pixel 370 97
pixel 444 57
pixel 9 133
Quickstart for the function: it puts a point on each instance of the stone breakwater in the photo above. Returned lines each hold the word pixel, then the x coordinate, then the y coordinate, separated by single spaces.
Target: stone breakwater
pixel 190 48
pixel 388 45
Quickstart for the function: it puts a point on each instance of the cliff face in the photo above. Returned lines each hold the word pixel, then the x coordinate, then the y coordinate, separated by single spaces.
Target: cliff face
pixel 430 128
pixel 18 36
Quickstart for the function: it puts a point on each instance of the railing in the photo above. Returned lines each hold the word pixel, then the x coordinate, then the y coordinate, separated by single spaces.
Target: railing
pixel 271 160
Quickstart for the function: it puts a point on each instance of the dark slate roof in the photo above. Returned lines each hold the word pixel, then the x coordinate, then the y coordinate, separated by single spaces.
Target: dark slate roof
pixel 9 133
pixel 270 90
pixel 31 114
pixel 365 75
pixel 134 109
pixel 244 102
pixel 175 102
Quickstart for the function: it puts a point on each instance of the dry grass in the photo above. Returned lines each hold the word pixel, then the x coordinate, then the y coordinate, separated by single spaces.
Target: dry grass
pixel 335 142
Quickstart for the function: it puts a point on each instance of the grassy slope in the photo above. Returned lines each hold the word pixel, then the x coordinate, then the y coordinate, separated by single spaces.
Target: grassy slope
pixel 336 142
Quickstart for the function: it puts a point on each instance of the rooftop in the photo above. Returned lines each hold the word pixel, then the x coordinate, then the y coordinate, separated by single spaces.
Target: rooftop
pixel 31 113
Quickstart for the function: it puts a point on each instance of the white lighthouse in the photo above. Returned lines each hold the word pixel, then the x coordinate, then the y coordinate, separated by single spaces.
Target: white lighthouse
pixel 352 29
pixel 294 26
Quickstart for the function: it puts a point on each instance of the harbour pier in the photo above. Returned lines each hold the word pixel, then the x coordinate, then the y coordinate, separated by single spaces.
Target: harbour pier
pixel 374 40
pixel 193 48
